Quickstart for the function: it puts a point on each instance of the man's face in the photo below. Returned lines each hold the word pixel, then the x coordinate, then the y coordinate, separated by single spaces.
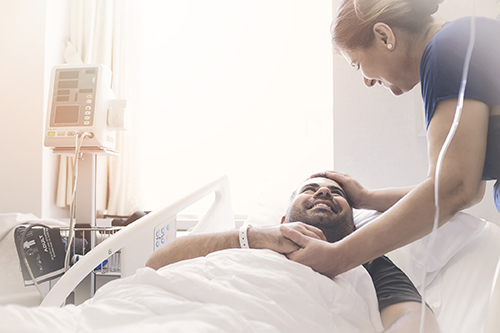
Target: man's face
pixel 322 203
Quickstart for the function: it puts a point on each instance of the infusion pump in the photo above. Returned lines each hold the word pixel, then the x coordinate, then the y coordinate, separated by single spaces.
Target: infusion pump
pixel 81 100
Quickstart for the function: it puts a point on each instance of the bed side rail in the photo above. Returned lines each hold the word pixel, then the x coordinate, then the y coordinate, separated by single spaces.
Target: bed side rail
pixel 136 241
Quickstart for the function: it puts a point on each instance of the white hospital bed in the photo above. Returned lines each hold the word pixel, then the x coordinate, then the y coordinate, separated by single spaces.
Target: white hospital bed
pixel 136 241
pixel 460 270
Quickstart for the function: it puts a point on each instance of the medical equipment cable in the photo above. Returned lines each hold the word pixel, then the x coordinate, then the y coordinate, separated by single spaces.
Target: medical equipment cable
pixel 442 153
pixel 78 143
pixel 23 254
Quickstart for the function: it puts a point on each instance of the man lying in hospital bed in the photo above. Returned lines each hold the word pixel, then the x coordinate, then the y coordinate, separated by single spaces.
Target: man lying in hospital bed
pixel 241 290
pixel 320 204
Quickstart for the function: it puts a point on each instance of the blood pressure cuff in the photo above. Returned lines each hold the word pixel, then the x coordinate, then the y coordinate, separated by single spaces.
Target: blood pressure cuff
pixel 391 284
pixel 44 251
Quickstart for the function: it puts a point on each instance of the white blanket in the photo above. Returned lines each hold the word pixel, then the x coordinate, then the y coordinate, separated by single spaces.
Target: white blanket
pixel 227 291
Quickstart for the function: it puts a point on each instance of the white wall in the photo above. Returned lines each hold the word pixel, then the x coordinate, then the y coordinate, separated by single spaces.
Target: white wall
pixel 56 35
pixel 242 88
pixel 32 35
pixel 376 135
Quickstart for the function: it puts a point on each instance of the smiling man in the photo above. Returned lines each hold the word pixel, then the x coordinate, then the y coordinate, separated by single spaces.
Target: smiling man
pixel 320 202
pixel 320 209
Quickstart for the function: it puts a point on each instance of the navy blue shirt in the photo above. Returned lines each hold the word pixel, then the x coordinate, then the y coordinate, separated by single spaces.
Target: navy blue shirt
pixel 441 70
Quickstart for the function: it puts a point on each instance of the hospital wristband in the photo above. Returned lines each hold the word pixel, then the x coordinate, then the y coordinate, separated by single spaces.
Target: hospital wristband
pixel 244 236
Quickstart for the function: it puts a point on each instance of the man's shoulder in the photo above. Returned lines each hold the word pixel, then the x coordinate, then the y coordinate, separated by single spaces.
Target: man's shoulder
pixel 391 283
pixel 382 261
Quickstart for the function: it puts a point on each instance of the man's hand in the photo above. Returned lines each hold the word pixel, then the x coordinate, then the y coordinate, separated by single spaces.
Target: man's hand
pixel 271 237
pixel 315 253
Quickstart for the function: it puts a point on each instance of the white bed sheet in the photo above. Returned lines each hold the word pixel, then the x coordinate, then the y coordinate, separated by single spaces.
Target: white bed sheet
pixel 460 269
pixel 458 284
pixel 459 294
pixel 227 291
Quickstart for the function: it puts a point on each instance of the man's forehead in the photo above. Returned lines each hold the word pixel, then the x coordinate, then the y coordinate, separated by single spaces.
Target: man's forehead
pixel 321 181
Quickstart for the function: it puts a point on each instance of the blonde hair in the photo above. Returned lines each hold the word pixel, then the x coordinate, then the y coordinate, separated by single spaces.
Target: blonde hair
pixel 354 21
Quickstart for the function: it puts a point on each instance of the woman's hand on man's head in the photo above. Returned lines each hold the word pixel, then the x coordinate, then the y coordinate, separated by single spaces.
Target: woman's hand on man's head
pixel 356 193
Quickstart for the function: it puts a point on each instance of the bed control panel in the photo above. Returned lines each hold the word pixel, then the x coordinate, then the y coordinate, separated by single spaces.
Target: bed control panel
pixel 164 232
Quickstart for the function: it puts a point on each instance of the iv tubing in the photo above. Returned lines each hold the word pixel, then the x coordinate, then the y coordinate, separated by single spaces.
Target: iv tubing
pixel 78 143
pixel 444 149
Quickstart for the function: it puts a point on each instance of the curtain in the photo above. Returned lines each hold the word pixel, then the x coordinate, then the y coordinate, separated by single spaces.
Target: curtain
pixel 104 32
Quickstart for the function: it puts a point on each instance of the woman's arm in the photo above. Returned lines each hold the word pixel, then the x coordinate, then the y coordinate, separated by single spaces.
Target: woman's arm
pixel 362 198
pixel 383 199
pixel 412 217
pixel 460 179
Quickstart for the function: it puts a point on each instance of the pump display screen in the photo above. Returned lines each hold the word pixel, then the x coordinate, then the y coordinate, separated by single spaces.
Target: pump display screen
pixel 73 98
pixel 81 101
pixel 66 114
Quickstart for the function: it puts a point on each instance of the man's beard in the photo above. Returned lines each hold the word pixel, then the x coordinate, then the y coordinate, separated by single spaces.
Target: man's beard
pixel 334 226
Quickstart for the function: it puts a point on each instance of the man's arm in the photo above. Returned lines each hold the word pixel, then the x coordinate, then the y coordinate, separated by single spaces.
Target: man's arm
pixel 193 246
pixel 405 318
pixel 399 300
pixel 199 245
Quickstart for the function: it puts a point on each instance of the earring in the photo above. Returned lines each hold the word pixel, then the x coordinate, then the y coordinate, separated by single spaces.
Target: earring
pixel 390 46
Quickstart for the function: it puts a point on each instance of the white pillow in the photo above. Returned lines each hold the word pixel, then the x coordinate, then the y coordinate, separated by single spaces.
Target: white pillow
pixel 270 207
pixel 450 239
pixel 364 216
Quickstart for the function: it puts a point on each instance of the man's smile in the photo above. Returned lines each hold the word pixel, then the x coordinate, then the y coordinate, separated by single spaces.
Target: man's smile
pixel 323 204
